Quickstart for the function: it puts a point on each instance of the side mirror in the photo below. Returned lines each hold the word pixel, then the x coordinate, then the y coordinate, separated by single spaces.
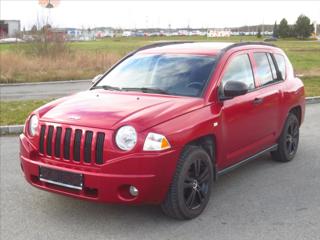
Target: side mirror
pixel 96 79
pixel 234 88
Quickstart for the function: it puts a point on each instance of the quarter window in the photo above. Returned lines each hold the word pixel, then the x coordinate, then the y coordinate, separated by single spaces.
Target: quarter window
pixel 273 68
pixel 281 62
pixel 239 69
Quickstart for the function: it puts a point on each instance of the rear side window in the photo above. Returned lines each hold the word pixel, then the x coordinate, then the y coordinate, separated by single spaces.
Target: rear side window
pixel 266 70
pixel 273 68
pixel 281 62
pixel 239 69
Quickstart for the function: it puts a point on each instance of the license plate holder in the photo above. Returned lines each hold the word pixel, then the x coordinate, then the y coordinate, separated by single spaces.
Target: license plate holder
pixel 61 178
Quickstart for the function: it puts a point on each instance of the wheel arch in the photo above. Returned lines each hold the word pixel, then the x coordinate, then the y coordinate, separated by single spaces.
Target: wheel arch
pixel 297 110
pixel 208 143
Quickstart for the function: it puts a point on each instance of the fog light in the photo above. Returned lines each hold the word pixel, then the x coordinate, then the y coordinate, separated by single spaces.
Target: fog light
pixel 133 191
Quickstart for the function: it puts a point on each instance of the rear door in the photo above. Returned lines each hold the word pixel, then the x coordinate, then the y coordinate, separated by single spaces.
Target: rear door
pixel 268 97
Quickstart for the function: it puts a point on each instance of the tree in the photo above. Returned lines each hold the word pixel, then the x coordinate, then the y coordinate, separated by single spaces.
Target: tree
pixel 259 33
pixel 303 27
pixel 34 29
pixel 284 29
pixel 275 30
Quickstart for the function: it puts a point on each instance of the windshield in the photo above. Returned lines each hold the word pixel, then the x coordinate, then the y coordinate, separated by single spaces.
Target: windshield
pixel 183 75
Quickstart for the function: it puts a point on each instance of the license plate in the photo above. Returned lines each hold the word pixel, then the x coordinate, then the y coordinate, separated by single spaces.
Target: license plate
pixel 61 178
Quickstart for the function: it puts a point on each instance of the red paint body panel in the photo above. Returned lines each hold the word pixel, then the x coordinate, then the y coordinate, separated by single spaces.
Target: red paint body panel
pixel 239 128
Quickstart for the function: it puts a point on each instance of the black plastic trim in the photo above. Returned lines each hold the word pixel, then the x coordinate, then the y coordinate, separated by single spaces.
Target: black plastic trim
pixel 66 144
pixel 49 140
pixel 41 141
pixel 99 148
pixel 77 145
pixel 57 144
pixel 241 163
pixel 87 146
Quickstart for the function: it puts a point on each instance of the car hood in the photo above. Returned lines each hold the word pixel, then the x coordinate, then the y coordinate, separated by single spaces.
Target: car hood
pixel 110 110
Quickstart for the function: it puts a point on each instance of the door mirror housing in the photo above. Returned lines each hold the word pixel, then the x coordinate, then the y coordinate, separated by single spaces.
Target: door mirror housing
pixel 233 89
pixel 96 79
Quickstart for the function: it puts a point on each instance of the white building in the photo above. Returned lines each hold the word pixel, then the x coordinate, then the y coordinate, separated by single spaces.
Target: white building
pixel 9 28
pixel 218 33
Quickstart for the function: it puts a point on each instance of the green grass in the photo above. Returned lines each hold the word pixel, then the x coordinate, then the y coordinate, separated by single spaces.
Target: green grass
pixel 312 86
pixel 16 112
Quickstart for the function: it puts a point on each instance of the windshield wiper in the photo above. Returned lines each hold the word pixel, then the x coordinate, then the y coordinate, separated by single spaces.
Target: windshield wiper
pixel 146 90
pixel 107 87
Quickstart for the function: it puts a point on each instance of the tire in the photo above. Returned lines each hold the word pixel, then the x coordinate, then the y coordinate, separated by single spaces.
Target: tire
pixel 190 189
pixel 288 141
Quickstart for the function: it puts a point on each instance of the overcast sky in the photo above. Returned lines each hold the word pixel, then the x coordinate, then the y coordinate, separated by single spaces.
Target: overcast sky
pixel 142 14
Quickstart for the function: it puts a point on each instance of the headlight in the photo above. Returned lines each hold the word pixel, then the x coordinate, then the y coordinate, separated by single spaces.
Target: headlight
pixel 126 138
pixel 156 142
pixel 33 125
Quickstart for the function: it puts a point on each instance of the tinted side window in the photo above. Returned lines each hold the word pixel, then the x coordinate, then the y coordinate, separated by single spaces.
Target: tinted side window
pixel 281 62
pixel 273 68
pixel 264 71
pixel 239 69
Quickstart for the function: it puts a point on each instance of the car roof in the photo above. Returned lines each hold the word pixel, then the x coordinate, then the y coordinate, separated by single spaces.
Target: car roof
pixel 201 48
pixel 198 48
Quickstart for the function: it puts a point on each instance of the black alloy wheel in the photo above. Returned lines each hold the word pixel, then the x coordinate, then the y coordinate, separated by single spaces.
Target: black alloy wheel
pixel 288 141
pixel 196 184
pixel 190 189
pixel 292 137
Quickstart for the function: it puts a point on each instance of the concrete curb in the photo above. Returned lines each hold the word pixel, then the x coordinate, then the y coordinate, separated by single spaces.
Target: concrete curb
pixel 11 129
pixel 311 100
pixel 39 83
pixel 17 129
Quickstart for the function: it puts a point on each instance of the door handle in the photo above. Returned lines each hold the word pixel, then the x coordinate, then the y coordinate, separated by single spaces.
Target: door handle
pixel 257 101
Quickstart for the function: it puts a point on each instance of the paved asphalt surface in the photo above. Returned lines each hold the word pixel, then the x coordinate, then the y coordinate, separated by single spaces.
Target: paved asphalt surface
pixel 42 90
pixel 262 200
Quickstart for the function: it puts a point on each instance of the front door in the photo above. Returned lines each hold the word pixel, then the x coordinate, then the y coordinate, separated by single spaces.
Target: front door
pixel 240 115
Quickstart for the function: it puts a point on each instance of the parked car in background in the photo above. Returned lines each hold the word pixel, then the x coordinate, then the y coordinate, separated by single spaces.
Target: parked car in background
pixel 271 39
pixel 164 123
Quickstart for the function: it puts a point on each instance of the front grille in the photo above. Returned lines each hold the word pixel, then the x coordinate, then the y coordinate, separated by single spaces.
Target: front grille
pixel 72 144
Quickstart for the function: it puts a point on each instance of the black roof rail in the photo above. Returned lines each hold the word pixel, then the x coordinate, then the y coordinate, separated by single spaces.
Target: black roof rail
pixel 160 44
pixel 239 44
pixel 166 43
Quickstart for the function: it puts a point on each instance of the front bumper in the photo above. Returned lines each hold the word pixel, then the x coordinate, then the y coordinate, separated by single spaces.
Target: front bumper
pixel 150 173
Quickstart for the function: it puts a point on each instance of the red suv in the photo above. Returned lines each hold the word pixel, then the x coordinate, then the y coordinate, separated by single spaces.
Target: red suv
pixel 164 123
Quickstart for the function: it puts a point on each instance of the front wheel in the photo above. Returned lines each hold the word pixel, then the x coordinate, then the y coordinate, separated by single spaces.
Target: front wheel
pixel 289 140
pixel 190 190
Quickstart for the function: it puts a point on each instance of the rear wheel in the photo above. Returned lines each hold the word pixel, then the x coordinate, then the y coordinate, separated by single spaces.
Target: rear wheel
pixel 190 190
pixel 289 140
